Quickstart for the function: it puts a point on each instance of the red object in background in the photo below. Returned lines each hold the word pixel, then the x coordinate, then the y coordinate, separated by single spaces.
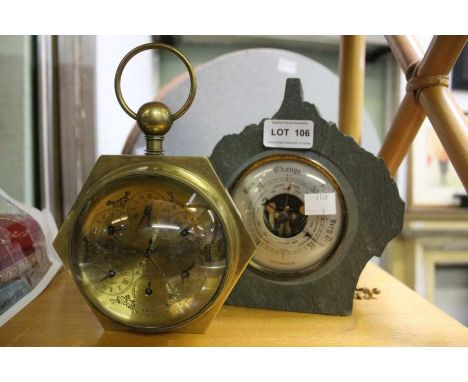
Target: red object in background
pixel 17 239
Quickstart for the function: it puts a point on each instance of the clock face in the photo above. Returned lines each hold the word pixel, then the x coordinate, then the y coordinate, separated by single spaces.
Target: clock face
pixel 291 237
pixel 149 252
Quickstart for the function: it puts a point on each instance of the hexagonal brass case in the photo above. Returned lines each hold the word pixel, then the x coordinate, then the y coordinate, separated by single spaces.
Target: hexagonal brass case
pixel 199 174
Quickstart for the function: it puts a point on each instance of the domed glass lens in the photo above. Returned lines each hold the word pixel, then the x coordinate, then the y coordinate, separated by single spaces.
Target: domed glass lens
pixel 149 252
pixel 271 197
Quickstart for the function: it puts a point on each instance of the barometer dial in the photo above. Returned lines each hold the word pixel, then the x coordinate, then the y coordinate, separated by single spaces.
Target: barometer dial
pixel 155 261
pixel 271 197
pixel 108 228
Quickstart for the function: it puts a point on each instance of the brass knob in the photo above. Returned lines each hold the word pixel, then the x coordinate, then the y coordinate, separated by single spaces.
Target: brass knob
pixel 154 118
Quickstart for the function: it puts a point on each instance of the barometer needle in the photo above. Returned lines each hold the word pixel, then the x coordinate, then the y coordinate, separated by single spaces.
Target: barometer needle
pixel 109 275
pixel 185 231
pixel 148 290
pixel 272 205
pixel 146 215
pixel 185 274
pixel 112 229
pixel 149 255
pixel 287 196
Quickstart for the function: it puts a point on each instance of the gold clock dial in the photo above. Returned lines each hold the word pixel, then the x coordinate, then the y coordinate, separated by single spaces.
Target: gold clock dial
pixel 149 252
pixel 270 195
pixel 108 228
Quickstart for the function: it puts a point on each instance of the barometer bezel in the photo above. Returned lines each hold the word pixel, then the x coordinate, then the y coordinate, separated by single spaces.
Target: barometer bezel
pixel 338 181
pixel 135 174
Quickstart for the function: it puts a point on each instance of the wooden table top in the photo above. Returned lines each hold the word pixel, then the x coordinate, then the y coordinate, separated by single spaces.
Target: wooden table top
pixel 397 317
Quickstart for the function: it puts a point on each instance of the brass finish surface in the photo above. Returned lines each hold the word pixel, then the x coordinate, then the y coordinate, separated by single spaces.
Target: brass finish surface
pixel 141 48
pixel 352 75
pixel 154 119
pixel 154 243
pixel 154 145
pixel 189 294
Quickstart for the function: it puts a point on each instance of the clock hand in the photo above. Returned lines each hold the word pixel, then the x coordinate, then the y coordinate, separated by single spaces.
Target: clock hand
pixel 146 215
pixel 287 197
pixel 272 205
pixel 148 290
pixel 99 269
pixel 186 231
pixel 109 275
pixel 112 229
pixel 185 274
pixel 149 255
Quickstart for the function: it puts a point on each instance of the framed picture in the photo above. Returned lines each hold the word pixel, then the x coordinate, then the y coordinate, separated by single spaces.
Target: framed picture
pixel 443 277
pixel 460 71
pixel 433 181
pixel 431 257
pixel 434 259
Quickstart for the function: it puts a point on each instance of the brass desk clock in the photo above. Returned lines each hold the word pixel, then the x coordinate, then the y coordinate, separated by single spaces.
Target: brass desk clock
pixel 317 205
pixel 154 243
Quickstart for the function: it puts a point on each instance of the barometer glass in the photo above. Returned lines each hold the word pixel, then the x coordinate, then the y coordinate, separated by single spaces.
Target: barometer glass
pixel 270 195
pixel 149 252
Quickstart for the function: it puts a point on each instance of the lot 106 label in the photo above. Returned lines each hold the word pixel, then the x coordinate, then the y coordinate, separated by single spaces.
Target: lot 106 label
pixel 290 134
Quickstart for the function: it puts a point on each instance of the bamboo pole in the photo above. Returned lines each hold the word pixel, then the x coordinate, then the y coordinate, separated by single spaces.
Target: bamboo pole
pixel 406 50
pixel 409 116
pixel 444 112
pixel 451 126
pixel 405 126
pixel 352 74
pixel 448 116
pixel 441 55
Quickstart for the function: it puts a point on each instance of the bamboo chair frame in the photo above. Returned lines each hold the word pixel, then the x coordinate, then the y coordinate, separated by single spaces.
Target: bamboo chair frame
pixel 431 98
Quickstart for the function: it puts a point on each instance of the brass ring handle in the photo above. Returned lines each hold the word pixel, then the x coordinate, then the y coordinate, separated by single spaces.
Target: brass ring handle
pixel 141 48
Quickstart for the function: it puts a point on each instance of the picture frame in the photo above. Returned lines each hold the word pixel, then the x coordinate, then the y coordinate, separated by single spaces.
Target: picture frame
pixel 432 180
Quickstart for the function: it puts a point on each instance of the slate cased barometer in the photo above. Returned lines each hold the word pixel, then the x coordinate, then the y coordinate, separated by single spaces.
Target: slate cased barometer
pixel 154 243
pixel 318 207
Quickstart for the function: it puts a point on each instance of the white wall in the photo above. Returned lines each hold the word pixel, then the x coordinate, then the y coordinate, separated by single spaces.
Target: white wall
pixel 138 87
pixel 16 143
